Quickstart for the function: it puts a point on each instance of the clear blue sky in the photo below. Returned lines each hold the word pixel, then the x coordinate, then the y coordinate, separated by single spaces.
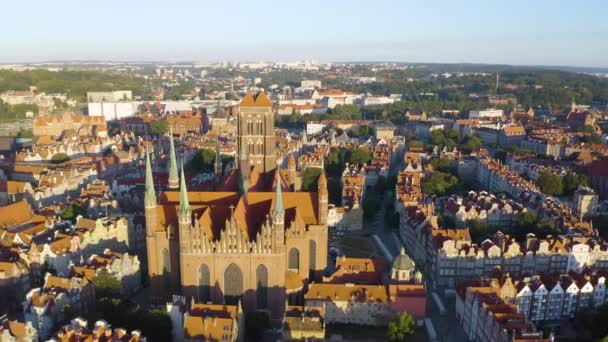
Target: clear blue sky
pixel 549 32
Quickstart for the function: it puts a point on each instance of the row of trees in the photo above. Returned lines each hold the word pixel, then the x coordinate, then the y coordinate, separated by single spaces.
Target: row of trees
pixel 112 307
pixel 18 111
pixel 75 83
pixel 554 185
pixel 528 222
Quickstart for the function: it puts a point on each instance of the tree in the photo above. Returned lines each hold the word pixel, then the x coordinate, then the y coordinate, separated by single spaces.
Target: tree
pixel 442 138
pixel 69 312
pixel 359 155
pixel 159 127
pixel 255 324
pixel 107 285
pixel 25 133
pixel 571 182
pixel 360 131
pixel 471 143
pixel 550 183
pixel 600 222
pixel 71 212
pixel 60 158
pixel 440 184
pixel 479 230
pixel 347 112
pixel 401 329
pixel 415 144
pixel 310 178
pixel 333 163
pixel 527 220
pixel 444 165
pixel 599 328
pixel 203 161
pixel 38 280
pixel 501 155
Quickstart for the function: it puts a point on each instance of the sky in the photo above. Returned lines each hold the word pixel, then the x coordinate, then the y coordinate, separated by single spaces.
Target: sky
pixel 521 32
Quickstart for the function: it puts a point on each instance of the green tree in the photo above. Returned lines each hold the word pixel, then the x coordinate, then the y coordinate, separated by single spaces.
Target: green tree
pixel 203 161
pixel 38 280
pixel 401 329
pixel 333 163
pixel 159 127
pixel 359 155
pixel 527 220
pixel 107 285
pixel 71 212
pixel 600 222
pixel 591 139
pixel 60 158
pixel 346 112
pixel 471 143
pixel 444 165
pixel 501 155
pixel 571 182
pixel 415 144
pixel 310 178
pixel 70 312
pixel 479 230
pixel 599 328
pixel 255 324
pixel 440 184
pixel 25 133
pixel 442 138
pixel 360 131
pixel 550 183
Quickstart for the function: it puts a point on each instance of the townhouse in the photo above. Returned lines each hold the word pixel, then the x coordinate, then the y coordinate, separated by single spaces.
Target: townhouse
pixel 44 306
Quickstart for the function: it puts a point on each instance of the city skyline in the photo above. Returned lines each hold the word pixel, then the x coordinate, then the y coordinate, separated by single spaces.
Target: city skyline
pixel 518 33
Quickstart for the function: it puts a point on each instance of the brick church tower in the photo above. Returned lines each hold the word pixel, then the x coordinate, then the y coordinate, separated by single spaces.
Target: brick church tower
pixel 256 131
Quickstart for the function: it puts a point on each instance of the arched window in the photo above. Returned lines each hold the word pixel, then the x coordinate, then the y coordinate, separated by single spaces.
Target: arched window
pixel 294 260
pixel 204 281
pixel 233 284
pixel 166 271
pixel 261 276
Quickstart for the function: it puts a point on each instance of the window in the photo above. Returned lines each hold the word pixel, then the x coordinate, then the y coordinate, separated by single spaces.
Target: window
pixel 261 275
pixel 294 260
pixel 204 282
pixel 166 268
pixel 312 250
pixel 233 284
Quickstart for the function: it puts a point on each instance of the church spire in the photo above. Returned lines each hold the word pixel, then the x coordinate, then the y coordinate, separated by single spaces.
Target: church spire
pixel 173 180
pixel 150 195
pixel 184 204
pixel 279 210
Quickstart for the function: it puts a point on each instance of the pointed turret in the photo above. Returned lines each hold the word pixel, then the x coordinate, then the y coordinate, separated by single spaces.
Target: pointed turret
pixel 150 195
pixel 304 137
pixel 150 204
pixel 244 169
pixel 279 211
pixel 184 203
pixel 173 180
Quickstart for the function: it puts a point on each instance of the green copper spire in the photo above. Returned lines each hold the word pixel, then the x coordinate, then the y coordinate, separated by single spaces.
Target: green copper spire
pixel 184 204
pixel 173 180
pixel 304 137
pixel 279 210
pixel 150 195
